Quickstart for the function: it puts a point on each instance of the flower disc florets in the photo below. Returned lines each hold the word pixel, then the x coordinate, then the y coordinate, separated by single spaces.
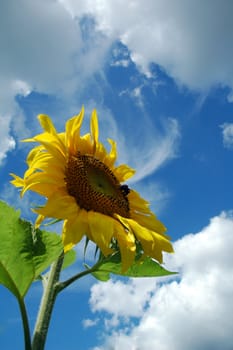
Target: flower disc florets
pixel 95 187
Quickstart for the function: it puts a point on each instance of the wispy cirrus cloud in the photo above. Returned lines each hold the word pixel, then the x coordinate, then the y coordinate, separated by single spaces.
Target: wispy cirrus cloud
pixel 43 50
pixel 155 148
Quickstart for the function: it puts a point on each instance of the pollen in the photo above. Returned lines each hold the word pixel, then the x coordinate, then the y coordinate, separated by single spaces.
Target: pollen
pixel 95 187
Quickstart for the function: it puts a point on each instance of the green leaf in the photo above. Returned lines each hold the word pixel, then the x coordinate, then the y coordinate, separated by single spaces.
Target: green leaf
pixel 141 268
pixel 24 252
pixel 69 259
pixel 46 248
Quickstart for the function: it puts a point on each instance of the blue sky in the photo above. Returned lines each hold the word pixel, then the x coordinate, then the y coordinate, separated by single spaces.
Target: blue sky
pixel 160 75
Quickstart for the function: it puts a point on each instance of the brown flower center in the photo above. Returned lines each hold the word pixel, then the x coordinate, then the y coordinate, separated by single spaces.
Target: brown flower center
pixel 95 187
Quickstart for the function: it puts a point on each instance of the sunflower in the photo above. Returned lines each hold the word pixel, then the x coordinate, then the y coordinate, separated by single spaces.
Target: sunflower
pixel 85 188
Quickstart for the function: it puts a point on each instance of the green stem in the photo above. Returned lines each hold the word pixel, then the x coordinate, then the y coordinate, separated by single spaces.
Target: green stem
pixel 47 304
pixel 63 285
pixel 26 330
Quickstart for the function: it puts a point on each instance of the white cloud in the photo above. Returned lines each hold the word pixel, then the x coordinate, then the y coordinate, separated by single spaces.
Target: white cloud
pixel 227 132
pixel 192 313
pixel 136 294
pixel 9 89
pixel 87 323
pixel 36 44
pixel 42 49
pixel 121 63
pixel 7 142
pixel 154 148
pixel 191 40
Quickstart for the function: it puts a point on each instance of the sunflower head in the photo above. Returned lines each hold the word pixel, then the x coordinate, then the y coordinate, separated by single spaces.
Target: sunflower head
pixel 84 187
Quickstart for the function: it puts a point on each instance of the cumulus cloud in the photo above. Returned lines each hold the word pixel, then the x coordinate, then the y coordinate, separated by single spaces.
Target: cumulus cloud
pixel 7 142
pixel 36 42
pixel 42 49
pixel 192 312
pixel 227 133
pixel 190 40
pixel 87 323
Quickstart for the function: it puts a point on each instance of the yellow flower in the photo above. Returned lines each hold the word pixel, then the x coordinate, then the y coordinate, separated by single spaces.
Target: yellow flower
pixel 83 187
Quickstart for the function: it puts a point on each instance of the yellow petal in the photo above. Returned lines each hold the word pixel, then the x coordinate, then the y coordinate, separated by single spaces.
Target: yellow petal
pixel 100 152
pixel 149 221
pixel 123 172
pixel 153 243
pixel 72 134
pixel 85 146
pixel 41 178
pixel 47 124
pixel 112 156
pixel 59 206
pixel 52 144
pixel 101 229
pixel 140 212
pixel 49 128
pixel 44 189
pixel 33 153
pixel 39 220
pixel 163 242
pixel 47 164
pixel 18 181
pixel 126 242
pixel 94 129
pixel 137 201
pixel 39 161
pixel 74 230
pixel 31 139
pixel 62 137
